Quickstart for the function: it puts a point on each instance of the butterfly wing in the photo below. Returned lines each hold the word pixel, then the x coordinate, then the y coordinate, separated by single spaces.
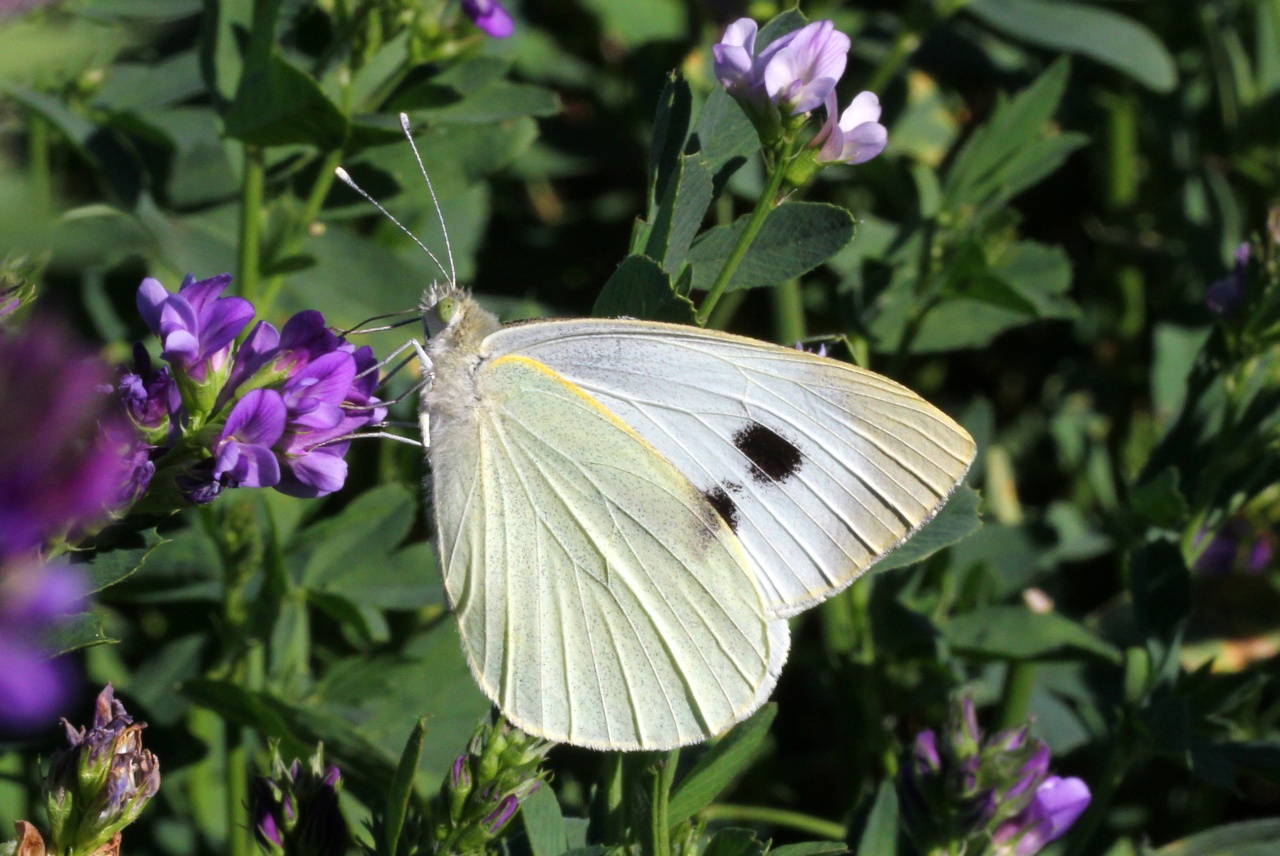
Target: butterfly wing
pixel 600 599
pixel 819 467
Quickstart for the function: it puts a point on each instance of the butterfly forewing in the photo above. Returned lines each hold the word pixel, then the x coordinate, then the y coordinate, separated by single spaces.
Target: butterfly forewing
pixel 601 599
pixel 818 467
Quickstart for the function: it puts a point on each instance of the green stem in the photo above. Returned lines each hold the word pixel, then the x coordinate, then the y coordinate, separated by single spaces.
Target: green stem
pixel 1082 834
pixel 38 160
pixel 726 309
pixel 252 186
pixel 764 205
pixel 1015 701
pixel 923 302
pixel 788 313
pixel 239 840
pixel 300 230
pixel 777 817
pixel 663 778
pixel 904 44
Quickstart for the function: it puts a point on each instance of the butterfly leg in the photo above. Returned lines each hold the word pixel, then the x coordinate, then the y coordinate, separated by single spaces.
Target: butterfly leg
pixel 389 358
pixel 424 418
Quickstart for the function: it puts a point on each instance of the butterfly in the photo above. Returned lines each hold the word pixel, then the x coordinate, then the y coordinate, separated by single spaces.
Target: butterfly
pixel 627 511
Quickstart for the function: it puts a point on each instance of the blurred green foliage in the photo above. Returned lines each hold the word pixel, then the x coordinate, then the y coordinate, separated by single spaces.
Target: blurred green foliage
pixel 1063 182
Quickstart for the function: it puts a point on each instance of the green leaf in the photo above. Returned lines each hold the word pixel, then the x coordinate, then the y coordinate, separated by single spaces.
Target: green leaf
pixel 1175 351
pixel 734 842
pixel 809 848
pixel 1160 585
pixel 724 136
pixel 362 535
pixel 498 102
pixel 1017 633
pixel 1110 38
pixel 119 562
pixel 1015 149
pixel 631 24
pixel 796 238
pixel 366 766
pixel 1159 500
pixel 289 264
pixel 670 127
pixel 680 214
pixel 639 288
pixel 955 521
pixel 245 707
pixel 543 823
pixel 401 790
pixel 1250 838
pixel 728 758
pixel 280 104
pixel 82 630
pixel 879 827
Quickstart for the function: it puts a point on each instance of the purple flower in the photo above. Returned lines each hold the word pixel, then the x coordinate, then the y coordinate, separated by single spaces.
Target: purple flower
pixel 56 471
pixel 33 687
pixel 501 816
pixel 267 351
pixel 1225 296
pixel 963 788
pixel 1057 805
pixel 489 16
pixel 790 76
pixel 242 455
pixel 149 395
pixel 196 326
pixel 17 7
pixel 857 137
pixel 1239 545
pixel 738 67
pixel 314 398
pixel 800 75
pixel 101 783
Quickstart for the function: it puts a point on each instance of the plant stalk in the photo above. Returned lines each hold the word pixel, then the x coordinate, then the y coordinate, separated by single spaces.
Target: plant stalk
pixel 252 186
pixel 764 205
pixel 805 823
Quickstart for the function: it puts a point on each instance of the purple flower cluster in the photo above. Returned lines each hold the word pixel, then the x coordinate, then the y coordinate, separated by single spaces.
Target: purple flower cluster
pixel 295 810
pixel 60 471
pixel 490 16
pixel 488 783
pixel 278 411
pixel 1239 546
pixel 964 788
pixel 780 83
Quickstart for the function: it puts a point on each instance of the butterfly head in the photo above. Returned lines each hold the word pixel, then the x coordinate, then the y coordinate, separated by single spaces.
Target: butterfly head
pixel 452 320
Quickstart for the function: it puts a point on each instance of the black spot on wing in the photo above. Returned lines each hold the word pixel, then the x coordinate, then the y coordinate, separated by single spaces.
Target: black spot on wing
pixel 773 457
pixel 724 505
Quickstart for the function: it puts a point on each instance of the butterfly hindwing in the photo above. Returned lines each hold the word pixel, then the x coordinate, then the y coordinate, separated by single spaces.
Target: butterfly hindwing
pixel 818 467
pixel 600 597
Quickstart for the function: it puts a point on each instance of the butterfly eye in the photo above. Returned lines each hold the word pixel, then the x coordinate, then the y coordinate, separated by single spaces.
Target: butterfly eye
pixel 445 309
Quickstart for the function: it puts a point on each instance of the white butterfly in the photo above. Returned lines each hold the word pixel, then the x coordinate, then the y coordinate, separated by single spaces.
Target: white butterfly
pixel 627 511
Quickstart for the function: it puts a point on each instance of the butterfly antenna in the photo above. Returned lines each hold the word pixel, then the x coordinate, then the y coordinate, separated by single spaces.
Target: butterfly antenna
pixel 349 182
pixel 408 133
pixel 360 329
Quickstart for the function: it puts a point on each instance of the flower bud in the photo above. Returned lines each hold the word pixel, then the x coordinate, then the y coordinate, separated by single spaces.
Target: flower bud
pixel 101 783
pixel 963 790
pixel 486 785
pixel 295 810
